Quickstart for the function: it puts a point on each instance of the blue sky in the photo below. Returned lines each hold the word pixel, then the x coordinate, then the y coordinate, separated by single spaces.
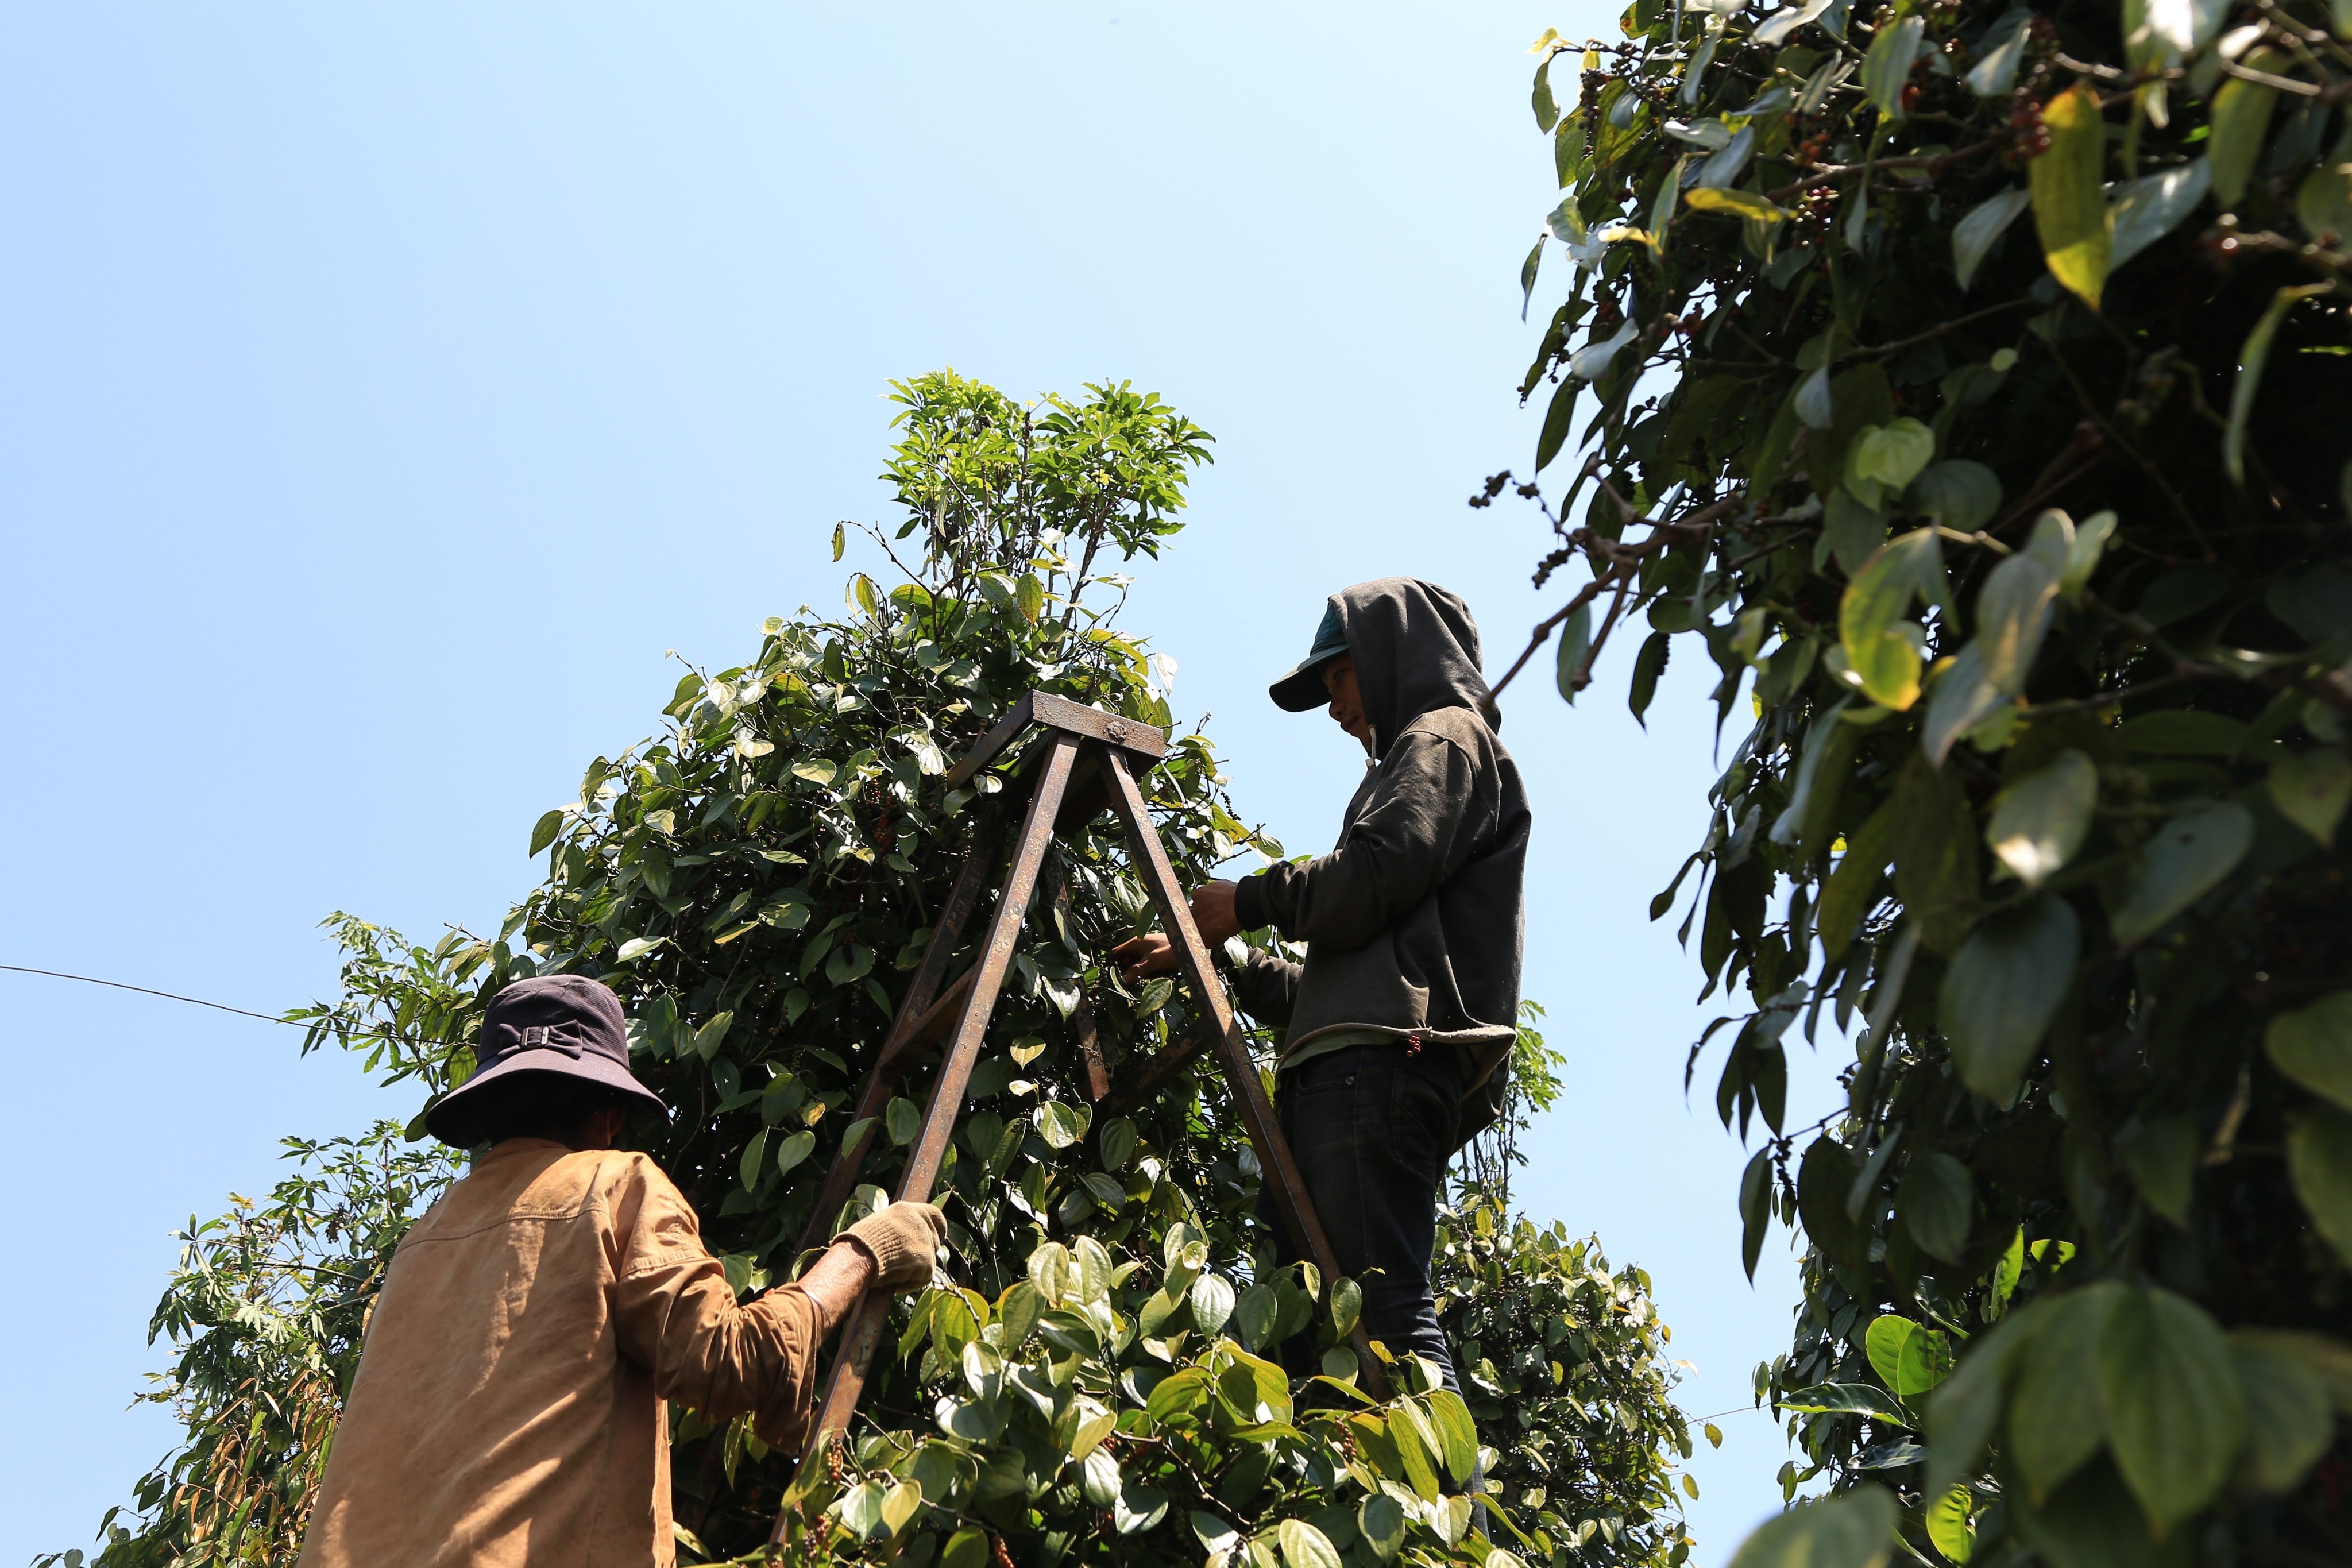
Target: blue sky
pixel 387 391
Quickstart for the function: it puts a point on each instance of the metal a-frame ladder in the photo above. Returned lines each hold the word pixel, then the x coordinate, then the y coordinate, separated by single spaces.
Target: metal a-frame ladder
pixel 1090 760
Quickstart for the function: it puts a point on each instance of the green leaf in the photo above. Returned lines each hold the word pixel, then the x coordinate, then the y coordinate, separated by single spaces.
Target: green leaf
pixel 2004 985
pixel 2323 202
pixel 1967 1407
pixel 1949 1529
pixel 1881 648
pixel 1568 151
pixel 2039 822
pixel 1845 1399
pixel 1755 1208
pixel 1850 887
pixel 2090 536
pixel 1936 851
pixel 840 538
pixel 1528 271
pixel 1118 1141
pixel 1648 665
pixel 1962 699
pixel 2161 1155
pixel 1212 1303
pixel 2240 119
pixel 1416 1446
pixel 1909 1359
pixel 1823 1178
pixel 2313 1046
pixel 1890 456
pixel 544 832
pixel 796 1149
pixel 2176 1415
pixel 1556 417
pixel 1937 1202
pixel 1214 1533
pixel 1974 236
pixel 755 1155
pixel 1886 70
pixel 1058 1124
pixel 2070 203
pixel 1956 492
pixel 1457 1434
pixel 2311 790
pixel 708 1038
pixel 2289 1421
pixel 2057 1419
pixel 969 1546
pixel 1575 642
pixel 2145 210
pixel 2251 360
pixel 2182 732
pixel 1254 1316
pixel 1380 1520
pixel 2319 1161
pixel 1547 111
pixel 1855 1530
pixel 2183 861
pixel 2013 615
pixel 903 1118
pixel 1737 203
pixel 1347 1306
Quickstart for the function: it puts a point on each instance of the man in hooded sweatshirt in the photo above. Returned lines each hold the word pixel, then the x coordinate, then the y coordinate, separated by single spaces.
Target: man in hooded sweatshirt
pixel 1397 1029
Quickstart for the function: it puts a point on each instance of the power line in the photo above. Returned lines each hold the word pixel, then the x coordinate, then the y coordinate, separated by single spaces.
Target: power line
pixel 146 990
pixel 200 1002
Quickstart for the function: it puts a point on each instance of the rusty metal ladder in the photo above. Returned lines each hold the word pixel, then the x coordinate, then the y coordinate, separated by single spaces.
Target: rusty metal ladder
pixel 1089 760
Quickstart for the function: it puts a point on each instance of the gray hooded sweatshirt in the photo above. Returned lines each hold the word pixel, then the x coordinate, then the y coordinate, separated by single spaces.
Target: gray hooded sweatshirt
pixel 1412 922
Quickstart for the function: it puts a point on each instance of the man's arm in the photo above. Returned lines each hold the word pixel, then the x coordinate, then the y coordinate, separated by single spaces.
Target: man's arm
pixel 1400 850
pixel 678 1318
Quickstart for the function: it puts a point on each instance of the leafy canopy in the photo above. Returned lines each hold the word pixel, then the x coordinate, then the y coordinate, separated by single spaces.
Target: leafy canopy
pixel 1969 381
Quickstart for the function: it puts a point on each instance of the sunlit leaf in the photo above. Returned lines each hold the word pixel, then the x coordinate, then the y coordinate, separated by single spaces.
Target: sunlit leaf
pixel 2070 207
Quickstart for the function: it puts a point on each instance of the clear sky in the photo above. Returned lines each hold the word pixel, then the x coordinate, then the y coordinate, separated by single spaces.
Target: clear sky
pixel 387 389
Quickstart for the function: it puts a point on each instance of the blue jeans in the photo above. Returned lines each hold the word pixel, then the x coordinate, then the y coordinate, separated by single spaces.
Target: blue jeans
pixel 1371 1128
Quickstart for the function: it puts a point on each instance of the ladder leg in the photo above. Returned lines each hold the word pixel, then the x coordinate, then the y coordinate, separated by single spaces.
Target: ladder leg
pixel 841 1178
pixel 1281 1172
pixel 847 1382
pixel 1082 1018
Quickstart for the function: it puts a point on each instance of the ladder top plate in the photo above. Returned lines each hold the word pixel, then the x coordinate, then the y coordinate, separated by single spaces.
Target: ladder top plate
pixel 1043 707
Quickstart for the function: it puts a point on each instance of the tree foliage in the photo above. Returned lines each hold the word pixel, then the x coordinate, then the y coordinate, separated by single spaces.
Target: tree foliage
pixel 1103 1379
pixel 265 1311
pixel 1970 383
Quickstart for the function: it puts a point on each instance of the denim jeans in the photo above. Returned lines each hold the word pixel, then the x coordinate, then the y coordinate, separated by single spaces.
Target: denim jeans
pixel 1371 1128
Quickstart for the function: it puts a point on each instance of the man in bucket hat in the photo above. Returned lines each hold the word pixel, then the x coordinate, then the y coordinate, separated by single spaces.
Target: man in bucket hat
pixel 1397 1030
pixel 510 1406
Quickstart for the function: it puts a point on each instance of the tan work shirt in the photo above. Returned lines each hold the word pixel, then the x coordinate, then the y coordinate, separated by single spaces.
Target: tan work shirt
pixel 509 1407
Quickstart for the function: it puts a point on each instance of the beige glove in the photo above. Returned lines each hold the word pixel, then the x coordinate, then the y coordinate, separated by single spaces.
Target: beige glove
pixel 903 1240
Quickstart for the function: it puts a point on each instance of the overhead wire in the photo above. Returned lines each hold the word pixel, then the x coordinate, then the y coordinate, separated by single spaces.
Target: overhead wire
pixel 200 1002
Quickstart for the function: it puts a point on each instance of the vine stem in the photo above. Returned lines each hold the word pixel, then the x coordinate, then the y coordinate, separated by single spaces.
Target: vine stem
pixel 1622 560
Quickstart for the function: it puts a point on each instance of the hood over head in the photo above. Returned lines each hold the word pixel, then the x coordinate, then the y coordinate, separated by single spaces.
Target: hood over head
pixel 1416 649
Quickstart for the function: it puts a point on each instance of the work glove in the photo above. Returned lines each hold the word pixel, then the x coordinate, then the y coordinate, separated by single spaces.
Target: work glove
pixel 903 1240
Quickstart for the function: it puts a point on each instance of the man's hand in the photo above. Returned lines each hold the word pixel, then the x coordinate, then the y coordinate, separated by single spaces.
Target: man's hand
pixel 1212 912
pixel 903 1240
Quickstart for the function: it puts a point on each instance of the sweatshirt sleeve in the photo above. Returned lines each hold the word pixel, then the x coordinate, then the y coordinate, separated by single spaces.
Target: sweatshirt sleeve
pixel 677 1317
pixel 1392 855
pixel 1266 987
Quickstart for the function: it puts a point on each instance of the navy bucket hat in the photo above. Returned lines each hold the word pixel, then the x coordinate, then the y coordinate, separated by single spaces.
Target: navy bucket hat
pixel 564 1025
